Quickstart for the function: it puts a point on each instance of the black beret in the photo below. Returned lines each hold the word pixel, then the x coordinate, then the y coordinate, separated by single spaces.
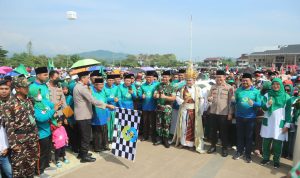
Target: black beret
pixel 99 80
pixel 167 72
pixel 247 75
pixel 82 74
pixel 41 70
pixel 220 72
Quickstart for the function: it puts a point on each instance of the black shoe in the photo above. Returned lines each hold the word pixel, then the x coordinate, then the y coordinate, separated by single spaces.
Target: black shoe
pixel 157 142
pixel 166 143
pixel 236 156
pixel 106 148
pixel 276 165
pixel 224 152
pixel 248 159
pixel 87 159
pixel 144 139
pixel 97 151
pixel 264 162
pixel 88 154
pixel 211 150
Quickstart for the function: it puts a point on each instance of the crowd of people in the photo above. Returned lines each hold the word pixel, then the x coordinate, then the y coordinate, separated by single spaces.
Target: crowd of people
pixel 42 116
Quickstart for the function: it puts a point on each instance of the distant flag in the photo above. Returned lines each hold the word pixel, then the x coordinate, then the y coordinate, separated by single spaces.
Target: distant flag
pixel 273 67
pixel 50 64
pixel 227 68
pixel 282 69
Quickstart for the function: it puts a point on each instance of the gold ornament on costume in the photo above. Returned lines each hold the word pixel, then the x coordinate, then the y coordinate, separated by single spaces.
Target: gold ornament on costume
pixel 190 72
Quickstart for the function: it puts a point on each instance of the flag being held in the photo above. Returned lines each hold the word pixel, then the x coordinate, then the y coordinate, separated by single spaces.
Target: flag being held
pixel 125 134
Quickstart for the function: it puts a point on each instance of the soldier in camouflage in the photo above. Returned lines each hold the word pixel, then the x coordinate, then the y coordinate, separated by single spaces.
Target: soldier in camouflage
pixel 165 95
pixel 22 131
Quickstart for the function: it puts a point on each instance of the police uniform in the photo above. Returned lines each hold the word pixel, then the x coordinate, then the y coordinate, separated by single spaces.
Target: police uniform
pixel 220 108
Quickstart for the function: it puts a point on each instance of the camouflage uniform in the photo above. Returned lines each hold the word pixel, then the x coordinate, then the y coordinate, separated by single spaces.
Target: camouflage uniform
pixel 22 132
pixel 164 110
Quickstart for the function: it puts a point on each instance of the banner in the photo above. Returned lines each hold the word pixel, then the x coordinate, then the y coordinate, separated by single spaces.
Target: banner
pixel 125 134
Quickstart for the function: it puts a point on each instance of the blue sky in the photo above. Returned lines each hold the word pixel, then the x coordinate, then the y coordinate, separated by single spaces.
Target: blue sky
pixel 220 27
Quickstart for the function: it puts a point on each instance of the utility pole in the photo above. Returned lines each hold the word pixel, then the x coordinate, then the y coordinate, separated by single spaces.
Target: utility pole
pixel 191 38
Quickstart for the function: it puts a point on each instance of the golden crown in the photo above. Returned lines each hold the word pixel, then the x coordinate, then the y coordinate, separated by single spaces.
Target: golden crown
pixel 190 72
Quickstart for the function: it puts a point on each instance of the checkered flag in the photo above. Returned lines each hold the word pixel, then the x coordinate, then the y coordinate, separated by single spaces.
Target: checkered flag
pixel 125 134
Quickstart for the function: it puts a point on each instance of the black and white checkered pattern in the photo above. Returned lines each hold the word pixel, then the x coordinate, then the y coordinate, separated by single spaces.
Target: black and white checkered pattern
pixel 121 147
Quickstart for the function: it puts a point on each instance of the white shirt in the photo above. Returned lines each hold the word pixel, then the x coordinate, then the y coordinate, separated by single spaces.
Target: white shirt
pixel 3 139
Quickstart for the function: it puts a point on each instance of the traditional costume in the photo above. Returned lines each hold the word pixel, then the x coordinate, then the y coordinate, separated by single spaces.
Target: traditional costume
pixel 189 129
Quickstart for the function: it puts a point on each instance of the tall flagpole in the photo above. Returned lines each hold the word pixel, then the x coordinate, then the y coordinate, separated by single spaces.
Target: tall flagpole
pixel 191 39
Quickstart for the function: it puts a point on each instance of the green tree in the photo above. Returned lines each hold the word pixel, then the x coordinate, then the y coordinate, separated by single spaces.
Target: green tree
pixel 3 54
pixel 228 61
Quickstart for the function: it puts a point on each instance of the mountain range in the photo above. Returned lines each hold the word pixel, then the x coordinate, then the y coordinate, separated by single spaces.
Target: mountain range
pixel 103 54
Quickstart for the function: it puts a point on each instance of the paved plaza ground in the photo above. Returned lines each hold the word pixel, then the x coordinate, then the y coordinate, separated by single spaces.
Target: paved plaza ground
pixel 157 161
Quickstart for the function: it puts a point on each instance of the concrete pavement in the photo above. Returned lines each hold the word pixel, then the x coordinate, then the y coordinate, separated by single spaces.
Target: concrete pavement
pixel 157 161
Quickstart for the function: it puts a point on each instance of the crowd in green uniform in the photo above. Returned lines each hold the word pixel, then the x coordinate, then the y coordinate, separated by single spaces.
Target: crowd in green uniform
pixel 261 113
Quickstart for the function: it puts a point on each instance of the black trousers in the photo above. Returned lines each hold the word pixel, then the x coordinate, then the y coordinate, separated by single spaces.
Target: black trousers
pixel 245 128
pixel 60 152
pixel 100 138
pixel 73 135
pixel 149 121
pixel 219 123
pixel 45 149
pixel 84 127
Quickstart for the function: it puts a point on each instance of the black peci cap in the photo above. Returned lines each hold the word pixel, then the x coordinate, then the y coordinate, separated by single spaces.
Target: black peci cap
pixel 41 70
pixel 99 80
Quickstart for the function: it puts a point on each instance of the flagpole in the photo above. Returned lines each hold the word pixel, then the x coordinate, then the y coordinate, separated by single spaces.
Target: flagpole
pixel 191 38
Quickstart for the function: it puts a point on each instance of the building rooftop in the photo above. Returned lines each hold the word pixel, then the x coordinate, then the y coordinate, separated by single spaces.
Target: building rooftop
pixel 289 49
pixel 213 59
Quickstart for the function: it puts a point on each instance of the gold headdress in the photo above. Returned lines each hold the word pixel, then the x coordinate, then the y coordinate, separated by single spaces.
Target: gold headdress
pixel 190 72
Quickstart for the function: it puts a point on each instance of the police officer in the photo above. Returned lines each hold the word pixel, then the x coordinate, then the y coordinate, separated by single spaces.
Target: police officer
pixel 220 112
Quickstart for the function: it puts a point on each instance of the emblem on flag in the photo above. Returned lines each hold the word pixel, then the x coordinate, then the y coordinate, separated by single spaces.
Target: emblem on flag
pixel 125 134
